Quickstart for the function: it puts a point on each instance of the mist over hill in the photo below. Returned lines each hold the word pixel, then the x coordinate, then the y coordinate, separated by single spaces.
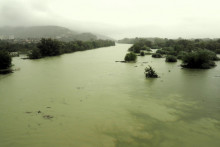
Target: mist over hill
pixel 57 32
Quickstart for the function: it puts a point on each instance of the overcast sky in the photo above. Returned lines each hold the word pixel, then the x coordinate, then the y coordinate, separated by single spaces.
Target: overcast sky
pixel 119 18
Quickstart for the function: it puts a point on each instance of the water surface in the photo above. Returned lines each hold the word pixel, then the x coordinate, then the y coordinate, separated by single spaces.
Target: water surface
pixel 96 102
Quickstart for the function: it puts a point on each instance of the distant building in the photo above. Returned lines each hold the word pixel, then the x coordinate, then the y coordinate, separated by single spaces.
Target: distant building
pixel 7 37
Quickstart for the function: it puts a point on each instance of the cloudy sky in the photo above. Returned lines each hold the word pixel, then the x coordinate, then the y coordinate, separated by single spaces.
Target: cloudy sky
pixel 119 18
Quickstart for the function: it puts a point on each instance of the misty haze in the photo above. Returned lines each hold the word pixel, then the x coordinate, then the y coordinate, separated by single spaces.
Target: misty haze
pixel 119 73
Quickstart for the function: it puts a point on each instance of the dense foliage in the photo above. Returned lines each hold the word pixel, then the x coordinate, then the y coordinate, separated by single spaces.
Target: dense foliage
pixel 5 60
pixel 171 58
pixel 130 56
pixel 21 46
pixel 51 47
pixel 199 59
pixel 150 73
pixel 183 49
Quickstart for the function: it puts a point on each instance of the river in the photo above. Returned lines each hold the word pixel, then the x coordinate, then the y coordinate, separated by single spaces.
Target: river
pixel 86 99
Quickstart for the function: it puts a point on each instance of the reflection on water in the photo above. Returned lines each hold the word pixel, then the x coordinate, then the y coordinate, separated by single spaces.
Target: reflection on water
pixel 87 99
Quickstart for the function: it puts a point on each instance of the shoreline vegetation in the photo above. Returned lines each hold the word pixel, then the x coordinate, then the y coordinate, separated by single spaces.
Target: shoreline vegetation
pixel 194 53
pixel 45 48
pixel 52 47
pixel 5 62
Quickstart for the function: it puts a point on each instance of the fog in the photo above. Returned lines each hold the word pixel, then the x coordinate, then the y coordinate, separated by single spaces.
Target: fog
pixel 119 18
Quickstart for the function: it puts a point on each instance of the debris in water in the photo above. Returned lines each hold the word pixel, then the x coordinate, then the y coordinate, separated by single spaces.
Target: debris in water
pixel 47 116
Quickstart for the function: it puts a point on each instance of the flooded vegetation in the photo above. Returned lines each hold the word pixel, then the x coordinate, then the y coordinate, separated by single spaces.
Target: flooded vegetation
pixel 87 99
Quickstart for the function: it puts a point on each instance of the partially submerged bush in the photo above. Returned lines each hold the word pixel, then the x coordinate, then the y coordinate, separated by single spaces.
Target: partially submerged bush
pixel 130 56
pixel 150 73
pixel 199 59
pixel 156 55
pixel 171 58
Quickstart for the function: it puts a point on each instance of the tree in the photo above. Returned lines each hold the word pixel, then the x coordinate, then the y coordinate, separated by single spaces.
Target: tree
pixel 35 54
pixel 130 57
pixel 199 59
pixel 5 60
pixel 49 47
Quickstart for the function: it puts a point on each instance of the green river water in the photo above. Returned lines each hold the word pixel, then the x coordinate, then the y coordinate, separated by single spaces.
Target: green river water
pixel 96 102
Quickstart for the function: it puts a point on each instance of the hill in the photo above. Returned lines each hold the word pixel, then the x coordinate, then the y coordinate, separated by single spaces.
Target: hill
pixel 37 32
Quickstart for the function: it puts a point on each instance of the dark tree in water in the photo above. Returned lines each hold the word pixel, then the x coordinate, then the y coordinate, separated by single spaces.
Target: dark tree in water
pixel 130 57
pixel 150 73
pixel 199 59
pixel 5 60
pixel 49 47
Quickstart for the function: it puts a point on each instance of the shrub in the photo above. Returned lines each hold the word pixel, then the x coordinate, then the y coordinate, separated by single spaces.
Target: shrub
pixel 5 60
pixel 171 58
pixel 150 73
pixel 156 55
pixel 130 56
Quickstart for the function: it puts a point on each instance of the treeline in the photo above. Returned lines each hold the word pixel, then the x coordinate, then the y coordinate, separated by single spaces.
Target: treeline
pixel 195 53
pixel 52 47
pixel 11 46
pixel 177 44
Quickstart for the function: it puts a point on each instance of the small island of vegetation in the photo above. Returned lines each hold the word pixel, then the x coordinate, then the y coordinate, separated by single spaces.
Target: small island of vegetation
pixel 130 57
pixel 150 73
pixel 194 53
pixel 171 58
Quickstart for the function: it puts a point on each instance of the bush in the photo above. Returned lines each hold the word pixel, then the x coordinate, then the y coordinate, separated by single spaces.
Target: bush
pixel 171 58
pixel 150 73
pixel 5 60
pixel 156 55
pixel 142 53
pixel 199 59
pixel 130 57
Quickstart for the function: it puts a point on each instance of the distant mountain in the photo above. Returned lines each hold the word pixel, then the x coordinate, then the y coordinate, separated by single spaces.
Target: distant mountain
pixel 57 32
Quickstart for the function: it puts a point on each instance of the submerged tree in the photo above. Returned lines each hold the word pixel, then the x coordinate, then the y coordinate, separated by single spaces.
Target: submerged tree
pixel 150 73
pixel 130 56
pixel 199 59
